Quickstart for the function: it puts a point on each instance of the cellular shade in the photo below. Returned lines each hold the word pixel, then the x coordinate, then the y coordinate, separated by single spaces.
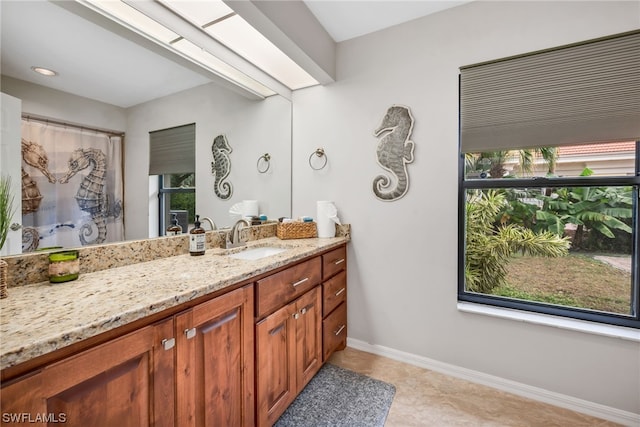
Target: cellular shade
pixel 584 92
pixel 172 150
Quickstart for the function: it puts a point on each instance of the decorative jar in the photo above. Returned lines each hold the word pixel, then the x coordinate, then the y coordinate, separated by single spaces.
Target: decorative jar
pixel 64 266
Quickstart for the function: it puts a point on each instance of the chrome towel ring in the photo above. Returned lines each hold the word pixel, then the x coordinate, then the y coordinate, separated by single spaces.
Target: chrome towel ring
pixel 264 162
pixel 319 153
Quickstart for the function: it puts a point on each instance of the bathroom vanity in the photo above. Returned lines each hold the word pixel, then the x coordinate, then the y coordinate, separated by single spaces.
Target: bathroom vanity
pixel 179 341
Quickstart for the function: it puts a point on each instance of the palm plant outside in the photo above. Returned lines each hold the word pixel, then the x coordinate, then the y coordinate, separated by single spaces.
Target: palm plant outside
pixel 489 248
pixel 494 162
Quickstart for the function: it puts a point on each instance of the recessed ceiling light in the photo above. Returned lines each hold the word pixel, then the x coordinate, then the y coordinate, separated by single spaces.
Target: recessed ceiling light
pixel 44 71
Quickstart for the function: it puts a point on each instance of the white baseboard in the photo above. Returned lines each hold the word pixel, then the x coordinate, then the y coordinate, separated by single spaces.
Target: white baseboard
pixel 561 400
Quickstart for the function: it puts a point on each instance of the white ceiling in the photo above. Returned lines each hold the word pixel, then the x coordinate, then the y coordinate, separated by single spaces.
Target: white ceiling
pixel 96 63
pixel 346 19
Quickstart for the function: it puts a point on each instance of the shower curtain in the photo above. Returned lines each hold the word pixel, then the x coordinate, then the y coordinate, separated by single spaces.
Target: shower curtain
pixel 72 186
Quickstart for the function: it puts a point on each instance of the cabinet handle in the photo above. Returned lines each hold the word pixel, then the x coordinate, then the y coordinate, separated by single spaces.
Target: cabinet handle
pixel 168 343
pixel 296 316
pixel 226 319
pixel 299 282
pixel 276 330
pixel 340 261
pixel 190 333
pixel 340 291
pixel 303 310
pixel 339 330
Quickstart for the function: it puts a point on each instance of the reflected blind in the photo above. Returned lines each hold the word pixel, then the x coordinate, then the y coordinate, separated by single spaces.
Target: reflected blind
pixel 172 150
pixel 584 92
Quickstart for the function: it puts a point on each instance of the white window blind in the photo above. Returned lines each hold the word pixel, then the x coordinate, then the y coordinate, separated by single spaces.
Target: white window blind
pixel 172 150
pixel 584 92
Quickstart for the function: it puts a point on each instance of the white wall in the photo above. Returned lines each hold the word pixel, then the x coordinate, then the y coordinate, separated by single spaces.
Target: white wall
pixel 54 104
pixel 253 128
pixel 403 256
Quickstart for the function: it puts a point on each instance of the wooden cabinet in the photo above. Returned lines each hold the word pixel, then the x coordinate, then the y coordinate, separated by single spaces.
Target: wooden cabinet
pixel 334 301
pixel 223 362
pixel 214 362
pixel 192 369
pixel 125 382
pixel 288 353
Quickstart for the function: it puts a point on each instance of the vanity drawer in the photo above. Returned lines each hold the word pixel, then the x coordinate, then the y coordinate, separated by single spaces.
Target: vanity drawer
pixel 334 261
pixel 276 290
pixel 334 331
pixel 334 292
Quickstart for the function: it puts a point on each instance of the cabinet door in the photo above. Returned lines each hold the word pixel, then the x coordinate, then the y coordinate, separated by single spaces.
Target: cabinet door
pixel 275 354
pixel 215 364
pixel 114 384
pixel 289 353
pixel 308 325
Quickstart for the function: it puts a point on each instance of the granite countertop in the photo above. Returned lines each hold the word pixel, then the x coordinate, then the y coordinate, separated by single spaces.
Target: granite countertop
pixel 40 318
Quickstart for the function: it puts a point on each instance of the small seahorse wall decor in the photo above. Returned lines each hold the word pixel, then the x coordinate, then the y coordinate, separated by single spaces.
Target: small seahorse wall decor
pixel 395 151
pixel 221 167
pixel 91 195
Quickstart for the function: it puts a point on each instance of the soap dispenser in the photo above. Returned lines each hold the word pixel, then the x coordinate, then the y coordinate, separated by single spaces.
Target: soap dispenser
pixel 174 229
pixel 197 239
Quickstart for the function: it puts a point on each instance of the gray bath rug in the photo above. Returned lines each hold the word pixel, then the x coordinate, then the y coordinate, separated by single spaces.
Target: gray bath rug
pixel 338 397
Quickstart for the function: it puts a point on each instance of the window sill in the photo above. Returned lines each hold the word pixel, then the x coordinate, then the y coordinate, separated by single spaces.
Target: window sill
pixel 553 321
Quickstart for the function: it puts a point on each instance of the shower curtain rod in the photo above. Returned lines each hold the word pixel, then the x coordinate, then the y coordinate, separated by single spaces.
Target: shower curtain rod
pixel 81 127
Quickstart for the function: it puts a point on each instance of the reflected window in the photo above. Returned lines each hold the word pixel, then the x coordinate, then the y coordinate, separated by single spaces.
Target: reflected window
pixel 172 160
pixel 177 198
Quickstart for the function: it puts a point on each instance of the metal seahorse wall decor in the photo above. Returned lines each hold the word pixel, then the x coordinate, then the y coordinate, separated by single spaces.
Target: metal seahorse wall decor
pixel 395 151
pixel 221 167
pixel 33 154
pixel 91 195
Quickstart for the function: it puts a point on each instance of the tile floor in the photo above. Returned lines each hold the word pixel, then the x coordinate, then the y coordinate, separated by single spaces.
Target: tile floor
pixel 426 398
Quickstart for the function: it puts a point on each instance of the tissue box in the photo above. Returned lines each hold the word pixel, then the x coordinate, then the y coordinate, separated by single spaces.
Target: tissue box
pixel 296 230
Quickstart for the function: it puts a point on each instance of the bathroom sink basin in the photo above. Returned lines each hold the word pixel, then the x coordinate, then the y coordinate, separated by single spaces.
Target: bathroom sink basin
pixel 257 253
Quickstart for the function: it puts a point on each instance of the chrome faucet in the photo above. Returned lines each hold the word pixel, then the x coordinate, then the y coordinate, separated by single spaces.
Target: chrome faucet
pixel 233 237
pixel 211 223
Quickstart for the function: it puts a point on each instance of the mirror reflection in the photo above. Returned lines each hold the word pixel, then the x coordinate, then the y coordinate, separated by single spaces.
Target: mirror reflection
pixel 111 83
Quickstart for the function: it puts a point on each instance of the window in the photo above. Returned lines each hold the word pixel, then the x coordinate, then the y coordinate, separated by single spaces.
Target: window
pixel 172 159
pixel 176 196
pixel 548 217
pixel 552 242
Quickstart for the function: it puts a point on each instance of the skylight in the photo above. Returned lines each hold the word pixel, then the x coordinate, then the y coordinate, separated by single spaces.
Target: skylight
pixel 222 26
pixel 221 23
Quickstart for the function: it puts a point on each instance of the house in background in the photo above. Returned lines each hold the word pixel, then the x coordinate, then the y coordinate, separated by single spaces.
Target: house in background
pixel 615 158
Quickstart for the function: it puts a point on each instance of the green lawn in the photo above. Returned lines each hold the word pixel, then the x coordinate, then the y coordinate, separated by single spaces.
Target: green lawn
pixel 574 280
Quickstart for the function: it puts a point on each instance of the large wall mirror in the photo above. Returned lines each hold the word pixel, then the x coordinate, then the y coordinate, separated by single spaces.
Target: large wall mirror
pixel 112 79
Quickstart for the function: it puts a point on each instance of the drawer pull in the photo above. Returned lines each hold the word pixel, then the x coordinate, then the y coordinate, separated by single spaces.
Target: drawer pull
pixel 339 330
pixel 276 330
pixel 226 319
pixel 190 333
pixel 340 261
pixel 340 291
pixel 169 343
pixel 299 282
pixel 303 310
pixel 296 316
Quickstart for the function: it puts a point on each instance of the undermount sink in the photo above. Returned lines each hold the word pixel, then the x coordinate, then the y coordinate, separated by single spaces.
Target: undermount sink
pixel 257 253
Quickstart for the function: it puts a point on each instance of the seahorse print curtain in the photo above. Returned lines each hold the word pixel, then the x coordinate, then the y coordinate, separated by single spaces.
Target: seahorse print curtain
pixel 72 186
